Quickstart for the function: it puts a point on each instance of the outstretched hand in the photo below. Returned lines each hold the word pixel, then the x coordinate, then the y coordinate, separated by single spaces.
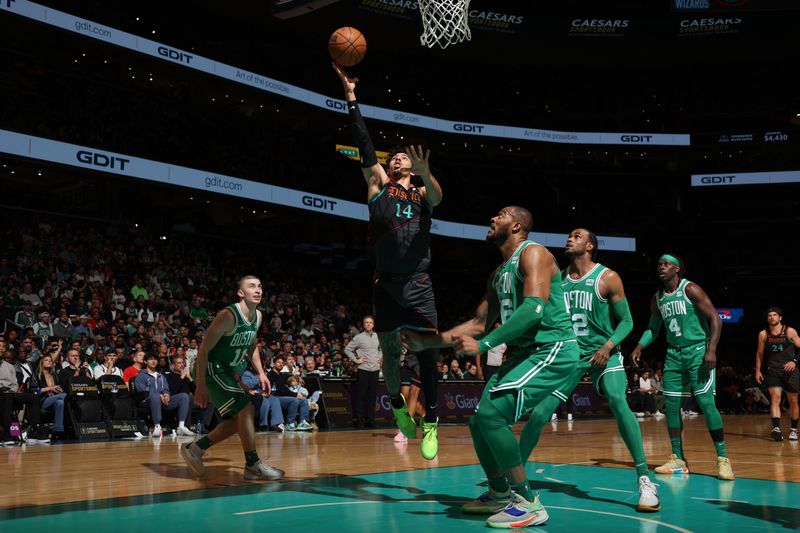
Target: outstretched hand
pixel 348 83
pixel 419 160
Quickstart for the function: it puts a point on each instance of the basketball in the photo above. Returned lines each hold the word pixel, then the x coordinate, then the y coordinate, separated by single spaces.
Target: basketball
pixel 347 46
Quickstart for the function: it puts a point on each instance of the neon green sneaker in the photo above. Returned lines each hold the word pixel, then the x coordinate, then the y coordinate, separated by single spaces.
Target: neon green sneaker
pixel 430 439
pixel 405 423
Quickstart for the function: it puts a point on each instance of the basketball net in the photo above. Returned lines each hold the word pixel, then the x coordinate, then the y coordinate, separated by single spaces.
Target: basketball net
pixel 444 22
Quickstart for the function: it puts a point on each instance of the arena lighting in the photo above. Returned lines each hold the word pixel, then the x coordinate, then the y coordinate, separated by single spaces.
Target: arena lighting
pixel 116 37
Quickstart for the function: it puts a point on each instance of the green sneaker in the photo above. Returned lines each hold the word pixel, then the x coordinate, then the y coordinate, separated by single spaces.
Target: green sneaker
pixel 405 423
pixel 430 439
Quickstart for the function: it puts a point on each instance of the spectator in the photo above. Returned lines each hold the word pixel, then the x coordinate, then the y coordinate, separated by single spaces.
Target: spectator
pixel 43 328
pixel 267 407
pixel 51 395
pixel 11 397
pixel 24 369
pixel 108 366
pixel 159 397
pixel 365 351
pixel 132 371
pixel 455 372
pixel 63 328
pixel 647 391
pixel 296 407
pixel 25 317
pixel 74 368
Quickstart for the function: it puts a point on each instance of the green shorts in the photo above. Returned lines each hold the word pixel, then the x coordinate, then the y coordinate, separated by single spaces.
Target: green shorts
pixel 224 391
pixel 685 373
pixel 521 383
pixel 614 364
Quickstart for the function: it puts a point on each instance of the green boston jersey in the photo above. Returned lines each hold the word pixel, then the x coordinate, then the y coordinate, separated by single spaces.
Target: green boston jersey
pixel 590 312
pixel 509 285
pixel 685 326
pixel 233 349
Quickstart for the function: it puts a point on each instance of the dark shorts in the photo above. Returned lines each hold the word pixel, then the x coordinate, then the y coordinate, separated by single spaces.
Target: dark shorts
pixel 401 301
pixel 408 377
pixel 788 381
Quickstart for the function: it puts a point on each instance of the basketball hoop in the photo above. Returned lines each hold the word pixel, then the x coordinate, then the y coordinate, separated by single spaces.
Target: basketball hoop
pixel 444 22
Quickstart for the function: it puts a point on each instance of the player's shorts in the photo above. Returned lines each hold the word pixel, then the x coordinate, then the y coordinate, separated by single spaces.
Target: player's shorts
pixel 224 391
pixel 778 377
pixel 685 373
pixel 614 364
pixel 403 301
pixel 521 383
pixel 409 377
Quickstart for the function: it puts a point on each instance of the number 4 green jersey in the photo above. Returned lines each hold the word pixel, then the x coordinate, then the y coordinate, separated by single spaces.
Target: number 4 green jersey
pixel 590 312
pixel 509 285
pixel 685 325
pixel 233 349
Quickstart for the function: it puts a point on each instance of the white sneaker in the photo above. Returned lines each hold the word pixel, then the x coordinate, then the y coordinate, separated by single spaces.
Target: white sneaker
pixel 156 432
pixel 639 414
pixel 183 431
pixel 37 441
pixel 569 417
pixel 262 471
pixel 648 496
pixel 793 434
pixel 193 456
pixel 658 414
pixel 400 437
pixel 554 418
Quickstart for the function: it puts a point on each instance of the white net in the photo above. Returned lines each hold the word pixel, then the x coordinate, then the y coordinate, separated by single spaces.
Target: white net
pixel 444 22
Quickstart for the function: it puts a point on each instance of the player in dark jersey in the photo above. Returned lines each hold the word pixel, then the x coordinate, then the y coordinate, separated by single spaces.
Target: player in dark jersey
pixel 777 345
pixel 401 201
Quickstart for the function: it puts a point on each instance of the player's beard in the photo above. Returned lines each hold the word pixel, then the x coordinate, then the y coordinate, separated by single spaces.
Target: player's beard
pixel 499 237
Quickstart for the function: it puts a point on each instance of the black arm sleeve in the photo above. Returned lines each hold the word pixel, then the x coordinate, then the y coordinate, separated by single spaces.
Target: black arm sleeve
pixel 362 138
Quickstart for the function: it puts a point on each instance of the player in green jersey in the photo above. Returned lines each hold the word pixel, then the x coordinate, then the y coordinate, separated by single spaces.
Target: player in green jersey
pixel 525 292
pixel 230 339
pixel 692 328
pixel 596 301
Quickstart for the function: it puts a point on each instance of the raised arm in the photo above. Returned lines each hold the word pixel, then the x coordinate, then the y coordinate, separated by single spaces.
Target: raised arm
pixel 431 190
pixel 374 174
pixel 701 300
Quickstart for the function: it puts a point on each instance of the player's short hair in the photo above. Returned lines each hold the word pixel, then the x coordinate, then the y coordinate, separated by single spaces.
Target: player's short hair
pixel 368 316
pixel 523 216
pixel 777 310
pixel 243 279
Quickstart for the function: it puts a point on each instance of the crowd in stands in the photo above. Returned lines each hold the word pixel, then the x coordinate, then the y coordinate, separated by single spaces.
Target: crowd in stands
pixel 76 299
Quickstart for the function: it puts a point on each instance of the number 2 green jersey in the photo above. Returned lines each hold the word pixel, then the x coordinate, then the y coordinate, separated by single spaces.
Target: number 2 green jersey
pixel 685 325
pixel 590 312
pixel 233 349
pixel 509 285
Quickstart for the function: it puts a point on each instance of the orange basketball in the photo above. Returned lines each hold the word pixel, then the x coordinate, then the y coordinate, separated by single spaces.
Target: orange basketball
pixel 347 46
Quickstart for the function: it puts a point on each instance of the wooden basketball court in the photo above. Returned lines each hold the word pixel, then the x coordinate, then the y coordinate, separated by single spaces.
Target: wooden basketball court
pixel 364 481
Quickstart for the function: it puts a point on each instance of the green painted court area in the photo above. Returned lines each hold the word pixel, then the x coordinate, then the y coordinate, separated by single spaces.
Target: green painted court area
pixel 578 498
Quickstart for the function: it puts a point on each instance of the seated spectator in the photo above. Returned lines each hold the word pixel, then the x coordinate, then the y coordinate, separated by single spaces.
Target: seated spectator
pixel 159 396
pixel 51 395
pixel 295 405
pixel 267 407
pixel 132 371
pixel 108 368
pixel 293 382
pixel 10 397
pixel 74 368
pixel 455 370
pixel 442 370
pixel 647 391
pixel 472 373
